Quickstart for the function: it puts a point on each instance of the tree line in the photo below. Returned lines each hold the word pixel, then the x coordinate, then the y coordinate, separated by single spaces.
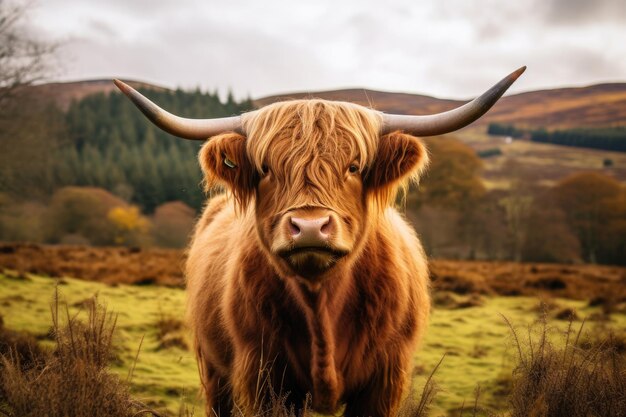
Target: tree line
pixel 498 129
pixel 610 139
pixel 605 138
pixel 111 145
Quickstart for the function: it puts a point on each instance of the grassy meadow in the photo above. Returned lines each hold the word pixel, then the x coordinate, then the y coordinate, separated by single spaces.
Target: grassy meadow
pixel 469 329
pixel 165 373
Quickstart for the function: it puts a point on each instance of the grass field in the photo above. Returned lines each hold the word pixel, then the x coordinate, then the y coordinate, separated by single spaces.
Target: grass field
pixel 473 336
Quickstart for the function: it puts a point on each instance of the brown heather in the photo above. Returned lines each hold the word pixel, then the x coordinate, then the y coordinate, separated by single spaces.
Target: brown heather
pixel 600 284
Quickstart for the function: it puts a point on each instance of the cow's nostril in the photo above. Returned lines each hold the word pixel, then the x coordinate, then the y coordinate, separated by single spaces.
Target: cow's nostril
pixel 327 226
pixel 293 228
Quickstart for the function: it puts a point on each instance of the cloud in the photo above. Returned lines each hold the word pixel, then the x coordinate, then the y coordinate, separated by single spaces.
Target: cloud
pixel 585 11
pixel 448 49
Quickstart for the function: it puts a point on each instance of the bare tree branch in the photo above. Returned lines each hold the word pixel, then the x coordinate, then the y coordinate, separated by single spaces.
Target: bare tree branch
pixel 24 59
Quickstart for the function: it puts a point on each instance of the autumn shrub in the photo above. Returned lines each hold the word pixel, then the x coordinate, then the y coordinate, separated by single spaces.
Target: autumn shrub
pixel 81 211
pixel 548 236
pixel 129 226
pixel 173 223
pixel 595 207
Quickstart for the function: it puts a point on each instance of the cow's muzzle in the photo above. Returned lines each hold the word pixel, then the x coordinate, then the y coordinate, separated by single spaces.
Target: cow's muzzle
pixel 310 241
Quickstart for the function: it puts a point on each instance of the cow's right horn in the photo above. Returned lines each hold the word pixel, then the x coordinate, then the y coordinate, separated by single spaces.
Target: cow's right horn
pixel 449 121
pixel 196 129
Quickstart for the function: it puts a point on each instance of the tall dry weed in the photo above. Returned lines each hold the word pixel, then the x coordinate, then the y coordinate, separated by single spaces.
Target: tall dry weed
pixel 420 407
pixel 73 379
pixel 566 382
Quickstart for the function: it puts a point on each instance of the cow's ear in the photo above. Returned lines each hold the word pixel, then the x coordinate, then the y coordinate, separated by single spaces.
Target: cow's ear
pixel 224 163
pixel 400 157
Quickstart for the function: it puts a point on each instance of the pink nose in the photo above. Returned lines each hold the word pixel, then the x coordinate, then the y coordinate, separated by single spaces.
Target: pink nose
pixel 310 232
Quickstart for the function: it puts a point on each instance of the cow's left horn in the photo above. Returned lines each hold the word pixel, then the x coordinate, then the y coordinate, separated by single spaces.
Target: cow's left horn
pixel 197 129
pixel 449 121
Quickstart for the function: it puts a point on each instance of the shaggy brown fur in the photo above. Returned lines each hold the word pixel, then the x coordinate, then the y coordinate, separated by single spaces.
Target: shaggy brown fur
pixel 344 334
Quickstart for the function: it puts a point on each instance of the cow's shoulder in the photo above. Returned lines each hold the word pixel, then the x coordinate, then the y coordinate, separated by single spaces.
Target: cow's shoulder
pixel 215 205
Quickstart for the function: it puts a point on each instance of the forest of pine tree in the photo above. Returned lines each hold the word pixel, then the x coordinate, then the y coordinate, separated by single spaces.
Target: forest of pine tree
pixel 610 138
pixel 606 138
pixel 111 145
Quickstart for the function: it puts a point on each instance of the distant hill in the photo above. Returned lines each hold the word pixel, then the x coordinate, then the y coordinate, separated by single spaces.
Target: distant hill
pixel 63 93
pixel 402 103
pixel 593 106
pixel 597 105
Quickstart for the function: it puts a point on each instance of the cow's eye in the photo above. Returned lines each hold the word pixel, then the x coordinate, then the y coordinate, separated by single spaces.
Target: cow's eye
pixel 229 163
pixel 353 169
pixel 264 169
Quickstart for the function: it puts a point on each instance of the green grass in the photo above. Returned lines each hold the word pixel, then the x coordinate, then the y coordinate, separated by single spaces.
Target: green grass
pixel 477 342
pixel 161 376
pixel 479 347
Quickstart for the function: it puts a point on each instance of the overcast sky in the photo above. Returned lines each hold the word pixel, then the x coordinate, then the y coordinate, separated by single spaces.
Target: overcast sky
pixel 452 49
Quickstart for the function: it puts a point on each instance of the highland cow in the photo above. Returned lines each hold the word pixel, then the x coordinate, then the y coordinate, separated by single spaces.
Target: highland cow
pixel 303 277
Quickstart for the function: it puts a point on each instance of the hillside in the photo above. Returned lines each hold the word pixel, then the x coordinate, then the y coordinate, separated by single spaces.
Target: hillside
pixel 64 93
pixel 597 105
pixel 402 103
pixel 592 106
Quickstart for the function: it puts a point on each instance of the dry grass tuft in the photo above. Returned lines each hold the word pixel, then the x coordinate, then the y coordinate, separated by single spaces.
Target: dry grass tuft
pixel 170 333
pixel 609 301
pixel 21 346
pixel 546 304
pixel 272 401
pixel 73 380
pixel 566 313
pixel 603 337
pixel 412 407
pixel 568 382
pixel 451 301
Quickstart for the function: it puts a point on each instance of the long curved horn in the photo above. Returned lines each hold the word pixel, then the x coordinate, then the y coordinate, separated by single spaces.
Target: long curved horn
pixel 196 129
pixel 449 121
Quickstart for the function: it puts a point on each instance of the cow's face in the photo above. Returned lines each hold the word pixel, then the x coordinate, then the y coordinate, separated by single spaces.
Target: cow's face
pixel 316 174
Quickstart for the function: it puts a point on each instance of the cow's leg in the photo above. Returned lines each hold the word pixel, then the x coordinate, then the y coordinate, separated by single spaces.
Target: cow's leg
pixel 263 387
pixel 218 396
pixel 249 377
pixel 381 397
